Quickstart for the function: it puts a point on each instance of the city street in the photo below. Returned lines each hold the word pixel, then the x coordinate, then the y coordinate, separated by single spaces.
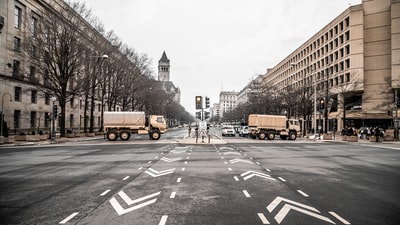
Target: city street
pixel 233 180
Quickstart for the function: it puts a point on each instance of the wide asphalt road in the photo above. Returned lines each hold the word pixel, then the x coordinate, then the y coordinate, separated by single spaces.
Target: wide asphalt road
pixel 235 181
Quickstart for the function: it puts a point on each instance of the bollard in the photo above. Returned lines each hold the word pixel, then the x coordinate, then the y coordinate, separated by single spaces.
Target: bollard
pixel 209 136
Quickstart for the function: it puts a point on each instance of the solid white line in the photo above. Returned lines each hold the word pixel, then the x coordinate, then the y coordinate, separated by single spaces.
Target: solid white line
pixel 68 218
pixel 246 194
pixel 172 194
pixel 236 178
pixel 140 168
pixel 126 178
pixel 163 220
pixel 230 169
pixel 105 192
pixel 339 218
pixel 149 162
pixel 280 178
pixel 302 193
pixel 179 180
pixel 262 218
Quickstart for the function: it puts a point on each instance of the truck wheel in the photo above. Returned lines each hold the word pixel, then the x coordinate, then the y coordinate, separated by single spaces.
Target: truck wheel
pixel 271 136
pixel 125 135
pixel 261 136
pixel 155 135
pixel 112 136
pixel 292 136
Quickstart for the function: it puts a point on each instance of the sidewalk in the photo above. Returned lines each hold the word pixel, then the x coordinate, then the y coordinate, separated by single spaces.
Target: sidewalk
pixel 49 141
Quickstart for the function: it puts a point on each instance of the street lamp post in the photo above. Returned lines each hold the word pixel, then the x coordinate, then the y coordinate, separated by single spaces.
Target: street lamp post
pixel 2 110
pixel 53 123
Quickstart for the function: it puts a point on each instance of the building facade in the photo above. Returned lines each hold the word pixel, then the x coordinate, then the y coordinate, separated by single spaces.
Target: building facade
pixel 227 101
pixel 353 64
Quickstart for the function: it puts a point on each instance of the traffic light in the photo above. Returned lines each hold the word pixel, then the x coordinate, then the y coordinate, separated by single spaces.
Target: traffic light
pixel 198 115
pixel 206 115
pixel 55 111
pixel 207 102
pixel 322 104
pixel 199 102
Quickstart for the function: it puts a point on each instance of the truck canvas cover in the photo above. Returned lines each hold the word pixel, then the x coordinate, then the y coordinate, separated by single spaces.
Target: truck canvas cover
pixel 124 119
pixel 267 121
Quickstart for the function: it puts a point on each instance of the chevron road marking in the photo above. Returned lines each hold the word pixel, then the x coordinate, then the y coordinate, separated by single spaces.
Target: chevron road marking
pixel 305 209
pixel 231 153
pixel 249 174
pixel 232 161
pixel 178 151
pixel 120 210
pixel 165 159
pixel 155 173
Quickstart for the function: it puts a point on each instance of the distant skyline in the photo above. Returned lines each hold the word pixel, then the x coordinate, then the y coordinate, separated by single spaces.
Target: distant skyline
pixel 215 45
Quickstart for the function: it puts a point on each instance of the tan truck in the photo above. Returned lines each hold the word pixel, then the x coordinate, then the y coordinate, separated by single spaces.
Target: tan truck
pixel 268 126
pixel 123 124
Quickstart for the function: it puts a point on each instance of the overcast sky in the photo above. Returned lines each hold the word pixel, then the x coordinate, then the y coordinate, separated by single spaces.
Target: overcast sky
pixel 216 45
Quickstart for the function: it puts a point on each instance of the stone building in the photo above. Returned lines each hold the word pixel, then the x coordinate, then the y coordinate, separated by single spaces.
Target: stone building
pixel 164 77
pixel 353 63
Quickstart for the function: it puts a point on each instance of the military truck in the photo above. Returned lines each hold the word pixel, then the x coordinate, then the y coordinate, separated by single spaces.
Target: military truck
pixel 268 126
pixel 123 124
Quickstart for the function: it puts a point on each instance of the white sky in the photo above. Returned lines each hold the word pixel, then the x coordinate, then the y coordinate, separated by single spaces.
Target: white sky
pixel 216 45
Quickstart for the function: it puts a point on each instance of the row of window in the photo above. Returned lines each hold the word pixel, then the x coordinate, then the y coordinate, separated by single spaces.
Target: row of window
pixel 43 120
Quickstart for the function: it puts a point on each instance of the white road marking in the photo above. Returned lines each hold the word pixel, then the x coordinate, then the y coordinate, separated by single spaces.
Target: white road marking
pixel 126 178
pixel 280 178
pixel 267 169
pixel 339 218
pixel 183 169
pixel 302 193
pixel 149 162
pixel 105 192
pixel 185 162
pixel 163 220
pixel 246 194
pixel 262 218
pixel 236 178
pixel 172 194
pixel 230 169
pixel 140 168
pixel 226 162
pixel 179 180
pixel 64 221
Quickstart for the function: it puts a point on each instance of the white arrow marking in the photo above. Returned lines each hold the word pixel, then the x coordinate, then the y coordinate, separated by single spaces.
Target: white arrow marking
pixel 262 218
pixel 286 208
pixel 232 161
pixel 118 208
pixel 279 199
pixel 155 173
pixel 165 159
pixel 231 153
pixel 249 174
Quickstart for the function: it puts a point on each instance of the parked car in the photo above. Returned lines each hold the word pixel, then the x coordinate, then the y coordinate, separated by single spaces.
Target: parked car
pixel 244 131
pixel 228 131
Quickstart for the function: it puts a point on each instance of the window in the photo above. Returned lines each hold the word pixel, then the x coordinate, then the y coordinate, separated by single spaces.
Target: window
pixel 33 51
pixel 46 99
pixel 47 119
pixel 16 68
pixel 33 119
pixel 32 73
pixel 34 26
pixel 347 77
pixel 34 96
pixel 17 44
pixel 71 103
pixel 17 115
pixel 71 120
pixel 17 94
pixel 17 17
